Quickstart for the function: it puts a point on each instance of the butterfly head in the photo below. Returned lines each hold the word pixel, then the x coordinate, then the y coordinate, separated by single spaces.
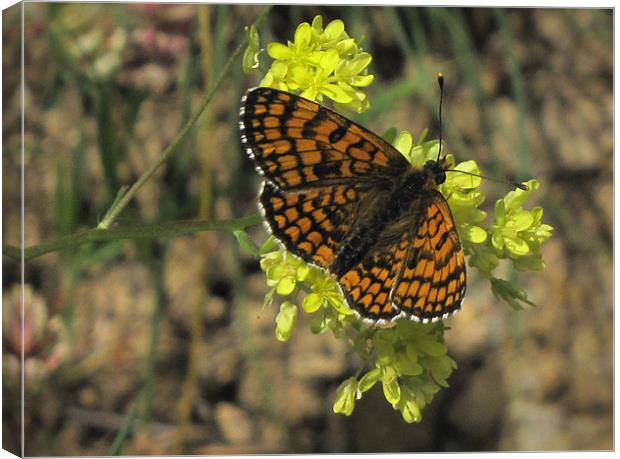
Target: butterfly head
pixel 437 169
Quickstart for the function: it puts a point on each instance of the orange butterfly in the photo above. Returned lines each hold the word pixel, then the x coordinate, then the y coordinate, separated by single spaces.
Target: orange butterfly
pixel 340 197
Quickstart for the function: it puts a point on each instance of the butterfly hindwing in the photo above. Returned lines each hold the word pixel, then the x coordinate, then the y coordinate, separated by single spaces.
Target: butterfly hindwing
pixel 432 281
pixel 421 273
pixel 311 224
pixel 368 286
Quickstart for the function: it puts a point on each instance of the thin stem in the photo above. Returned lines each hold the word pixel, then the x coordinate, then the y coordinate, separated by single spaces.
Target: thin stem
pixel 155 266
pixel 103 232
pixel 122 203
pixel 160 230
pixel 117 446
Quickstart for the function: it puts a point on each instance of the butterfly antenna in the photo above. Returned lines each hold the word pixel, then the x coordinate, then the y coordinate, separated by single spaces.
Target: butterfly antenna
pixel 440 82
pixel 521 186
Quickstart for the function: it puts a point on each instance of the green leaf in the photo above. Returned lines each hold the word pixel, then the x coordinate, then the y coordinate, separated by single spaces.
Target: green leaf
pixel 390 135
pixel 285 320
pixel 403 142
pixel 529 263
pixel 269 297
pixel 431 347
pixel 391 390
pixel 246 243
pixel 509 293
pixel 475 234
pixel 440 368
pixel 497 240
pixel 345 397
pixel 422 137
pixel 285 286
pixel 500 212
pixel 408 407
pixel 270 245
pixel 386 354
pixel 388 373
pixel 339 304
pixel 369 380
pixel 483 258
pixel 250 56
pixel 253 37
pixel 516 245
pixel 250 61
pixel 409 367
pixel 312 302
pixel 319 323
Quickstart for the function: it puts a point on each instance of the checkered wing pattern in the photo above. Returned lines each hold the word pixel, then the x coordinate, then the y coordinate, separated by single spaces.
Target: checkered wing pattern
pixel 432 282
pixel 420 274
pixel 312 224
pixel 368 286
pixel 298 144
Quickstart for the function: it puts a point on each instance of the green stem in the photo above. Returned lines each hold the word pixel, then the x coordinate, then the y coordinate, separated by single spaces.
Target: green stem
pixel 160 230
pixel 151 358
pixel 122 203
pixel 107 136
pixel 117 446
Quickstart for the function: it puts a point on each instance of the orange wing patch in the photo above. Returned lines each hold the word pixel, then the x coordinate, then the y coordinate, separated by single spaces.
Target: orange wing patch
pixel 312 225
pixel 368 286
pixel 432 283
pixel 298 144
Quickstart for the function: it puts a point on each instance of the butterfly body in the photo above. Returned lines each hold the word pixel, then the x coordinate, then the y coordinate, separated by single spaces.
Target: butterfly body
pixel 402 196
pixel 341 198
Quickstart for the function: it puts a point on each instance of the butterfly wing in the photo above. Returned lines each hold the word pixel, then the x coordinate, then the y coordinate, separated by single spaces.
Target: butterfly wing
pixel 298 144
pixel 433 279
pixel 415 269
pixel 367 287
pixel 312 224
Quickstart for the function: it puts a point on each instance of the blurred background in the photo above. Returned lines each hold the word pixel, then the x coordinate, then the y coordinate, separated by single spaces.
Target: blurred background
pixel 163 346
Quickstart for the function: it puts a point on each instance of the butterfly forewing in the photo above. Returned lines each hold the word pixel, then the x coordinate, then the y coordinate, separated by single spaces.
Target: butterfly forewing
pixel 298 144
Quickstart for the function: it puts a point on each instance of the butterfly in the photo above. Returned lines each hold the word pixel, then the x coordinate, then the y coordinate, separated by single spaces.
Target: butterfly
pixel 341 198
